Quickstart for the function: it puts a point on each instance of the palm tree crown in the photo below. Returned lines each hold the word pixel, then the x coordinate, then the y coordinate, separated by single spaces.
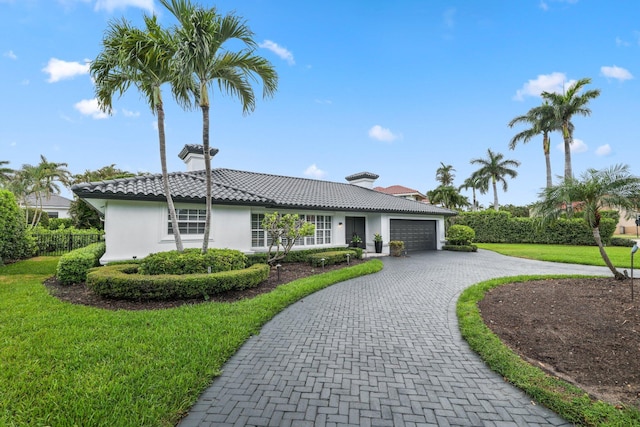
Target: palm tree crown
pixel 596 190
pixel 495 169
pixel 445 175
pixel 567 105
pixel 541 120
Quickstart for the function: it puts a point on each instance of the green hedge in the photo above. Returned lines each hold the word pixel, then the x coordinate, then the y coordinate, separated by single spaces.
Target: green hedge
pixel 15 240
pixel 122 281
pixel 501 227
pixel 193 261
pixel 460 248
pixel 73 266
pixel 331 257
pixel 300 255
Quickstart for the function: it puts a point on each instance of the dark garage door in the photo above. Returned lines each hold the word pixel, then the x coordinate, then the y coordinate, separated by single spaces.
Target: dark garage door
pixel 417 235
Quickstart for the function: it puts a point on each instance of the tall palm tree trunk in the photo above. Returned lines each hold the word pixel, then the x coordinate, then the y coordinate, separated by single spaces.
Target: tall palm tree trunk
pixel 566 134
pixel 605 257
pixel 546 144
pixel 207 170
pixel 165 174
pixel 495 193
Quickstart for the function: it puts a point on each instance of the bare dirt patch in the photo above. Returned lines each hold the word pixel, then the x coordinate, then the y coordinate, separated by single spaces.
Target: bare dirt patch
pixel 80 294
pixel 586 331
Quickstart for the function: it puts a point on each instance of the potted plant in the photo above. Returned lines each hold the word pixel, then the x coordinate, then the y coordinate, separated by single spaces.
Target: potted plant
pixel 396 247
pixel 355 240
pixel 377 240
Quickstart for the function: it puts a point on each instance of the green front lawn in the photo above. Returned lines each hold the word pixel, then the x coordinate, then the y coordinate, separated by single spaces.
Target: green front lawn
pixel 588 255
pixel 63 364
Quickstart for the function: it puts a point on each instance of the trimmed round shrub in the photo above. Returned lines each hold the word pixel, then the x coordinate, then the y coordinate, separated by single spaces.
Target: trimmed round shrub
pixel 74 266
pixel 460 235
pixel 193 261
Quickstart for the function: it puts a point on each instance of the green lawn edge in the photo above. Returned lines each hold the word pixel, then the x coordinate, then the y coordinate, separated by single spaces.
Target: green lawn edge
pixel 67 365
pixel 568 401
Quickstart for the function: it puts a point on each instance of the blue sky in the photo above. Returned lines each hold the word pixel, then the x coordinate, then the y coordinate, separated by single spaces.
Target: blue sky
pixel 392 88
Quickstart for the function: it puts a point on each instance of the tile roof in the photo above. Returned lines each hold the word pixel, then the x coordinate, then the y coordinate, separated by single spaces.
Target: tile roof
pixel 398 189
pixel 53 201
pixel 257 189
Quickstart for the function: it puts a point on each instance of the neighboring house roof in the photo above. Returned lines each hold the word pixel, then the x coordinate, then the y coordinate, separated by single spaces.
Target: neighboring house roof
pixel 400 190
pixel 258 189
pixel 53 201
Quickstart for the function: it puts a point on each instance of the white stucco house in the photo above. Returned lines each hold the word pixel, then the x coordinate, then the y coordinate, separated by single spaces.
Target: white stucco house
pixel 55 206
pixel 136 218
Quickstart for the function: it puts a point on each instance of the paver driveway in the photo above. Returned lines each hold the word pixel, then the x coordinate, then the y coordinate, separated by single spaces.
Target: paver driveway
pixel 379 350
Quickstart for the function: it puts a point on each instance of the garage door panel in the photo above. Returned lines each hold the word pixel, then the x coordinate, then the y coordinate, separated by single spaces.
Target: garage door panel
pixel 417 235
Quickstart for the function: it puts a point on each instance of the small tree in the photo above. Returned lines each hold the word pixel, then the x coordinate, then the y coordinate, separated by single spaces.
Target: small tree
pixel 283 231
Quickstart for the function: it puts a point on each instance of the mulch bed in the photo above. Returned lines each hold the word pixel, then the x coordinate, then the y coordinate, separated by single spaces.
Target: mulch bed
pixel 80 294
pixel 586 331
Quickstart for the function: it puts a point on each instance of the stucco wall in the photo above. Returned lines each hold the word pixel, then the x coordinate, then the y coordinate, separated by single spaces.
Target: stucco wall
pixel 140 228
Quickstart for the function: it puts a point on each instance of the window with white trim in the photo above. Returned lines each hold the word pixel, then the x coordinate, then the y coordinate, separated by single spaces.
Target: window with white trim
pixel 257 232
pixel 190 221
pixel 322 236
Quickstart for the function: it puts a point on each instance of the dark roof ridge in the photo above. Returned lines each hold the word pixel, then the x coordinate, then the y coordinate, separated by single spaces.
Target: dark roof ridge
pixel 286 177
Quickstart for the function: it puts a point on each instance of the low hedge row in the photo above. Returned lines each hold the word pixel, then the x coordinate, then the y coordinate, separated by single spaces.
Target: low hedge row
pixel 460 248
pixel 74 266
pixel 122 281
pixel 193 261
pixel 331 257
pixel 300 255
pixel 501 227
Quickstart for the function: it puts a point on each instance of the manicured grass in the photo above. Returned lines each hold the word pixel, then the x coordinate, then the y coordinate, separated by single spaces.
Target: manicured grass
pixel 567 400
pixel 588 255
pixel 64 365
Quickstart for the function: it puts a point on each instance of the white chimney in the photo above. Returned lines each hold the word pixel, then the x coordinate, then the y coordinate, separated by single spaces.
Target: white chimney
pixel 193 156
pixel 362 179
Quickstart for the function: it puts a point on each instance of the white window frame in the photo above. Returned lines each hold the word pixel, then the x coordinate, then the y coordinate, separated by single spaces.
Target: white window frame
pixel 192 219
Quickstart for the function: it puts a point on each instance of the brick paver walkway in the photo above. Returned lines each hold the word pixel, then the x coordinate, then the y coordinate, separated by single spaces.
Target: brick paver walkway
pixel 379 350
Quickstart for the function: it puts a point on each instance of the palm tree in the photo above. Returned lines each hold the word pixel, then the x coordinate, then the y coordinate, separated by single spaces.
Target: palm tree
pixel 495 169
pixel 474 182
pixel 567 105
pixel 447 196
pixel 5 173
pixel 203 36
pixel 445 175
pixel 40 181
pixel 614 187
pixel 131 56
pixel 541 121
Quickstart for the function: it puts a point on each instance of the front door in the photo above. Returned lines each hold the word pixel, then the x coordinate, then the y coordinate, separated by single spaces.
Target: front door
pixel 354 226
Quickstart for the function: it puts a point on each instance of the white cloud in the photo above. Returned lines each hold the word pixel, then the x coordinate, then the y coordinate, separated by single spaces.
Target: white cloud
pixel 278 50
pixel 324 101
pixel 554 82
pixel 13 143
pixel 111 5
pixel 9 54
pixel 614 72
pixel 128 113
pixel 382 134
pixel 577 146
pixel 448 17
pixel 314 172
pixel 61 70
pixel 89 107
pixel 603 150
pixel 620 42
pixel 544 6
